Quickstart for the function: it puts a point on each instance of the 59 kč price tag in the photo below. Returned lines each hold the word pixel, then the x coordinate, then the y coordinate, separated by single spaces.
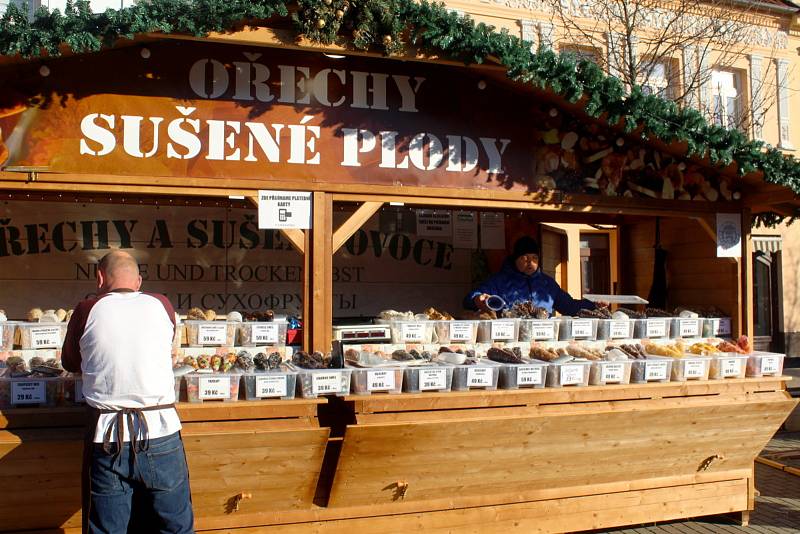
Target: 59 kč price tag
pixel 264 333
pixel 45 337
pixel 212 334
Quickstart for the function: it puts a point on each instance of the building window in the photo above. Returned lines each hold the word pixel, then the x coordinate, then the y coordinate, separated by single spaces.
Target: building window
pixel 581 52
pixel 726 103
pixel 658 78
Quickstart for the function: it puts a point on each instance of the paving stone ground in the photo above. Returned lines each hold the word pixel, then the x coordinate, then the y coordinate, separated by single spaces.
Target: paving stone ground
pixel 777 507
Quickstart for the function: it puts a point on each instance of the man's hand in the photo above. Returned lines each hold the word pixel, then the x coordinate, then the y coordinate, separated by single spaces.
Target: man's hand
pixel 480 301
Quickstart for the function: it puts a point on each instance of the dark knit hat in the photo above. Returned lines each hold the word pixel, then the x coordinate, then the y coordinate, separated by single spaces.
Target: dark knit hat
pixel 524 245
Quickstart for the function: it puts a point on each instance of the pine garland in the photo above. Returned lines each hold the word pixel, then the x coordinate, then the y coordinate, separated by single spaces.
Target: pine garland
pixel 388 26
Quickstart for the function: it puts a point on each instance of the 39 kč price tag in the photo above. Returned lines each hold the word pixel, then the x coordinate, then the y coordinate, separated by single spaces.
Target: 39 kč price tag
pixel 270 386
pixel 380 380
pixel 32 392
pixel 212 334
pixel 45 337
pixel 264 333
pixel 432 379
pixel 323 383
pixel 218 387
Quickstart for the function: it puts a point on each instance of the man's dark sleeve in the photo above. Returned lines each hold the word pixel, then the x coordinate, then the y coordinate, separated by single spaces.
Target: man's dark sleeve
pixel 71 351
pixel 564 304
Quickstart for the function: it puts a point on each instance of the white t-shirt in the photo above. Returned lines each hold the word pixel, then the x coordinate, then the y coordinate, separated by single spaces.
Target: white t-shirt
pixel 125 350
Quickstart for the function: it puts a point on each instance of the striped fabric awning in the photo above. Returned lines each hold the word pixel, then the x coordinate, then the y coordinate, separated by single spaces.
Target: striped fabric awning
pixel 767 243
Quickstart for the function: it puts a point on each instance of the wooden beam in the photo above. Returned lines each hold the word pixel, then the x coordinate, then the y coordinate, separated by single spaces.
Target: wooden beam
pixel 321 273
pixel 354 222
pixel 294 236
pixel 768 198
pixel 747 326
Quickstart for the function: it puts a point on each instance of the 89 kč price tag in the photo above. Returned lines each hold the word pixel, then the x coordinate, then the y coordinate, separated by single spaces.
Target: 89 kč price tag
pixel 270 386
pixel 380 380
pixel 212 334
pixel 432 379
pixel 214 387
pixel 45 337
pixel 264 333
pixel 32 392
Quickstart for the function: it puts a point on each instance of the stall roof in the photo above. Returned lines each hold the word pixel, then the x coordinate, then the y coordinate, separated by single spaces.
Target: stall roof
pixel 421 31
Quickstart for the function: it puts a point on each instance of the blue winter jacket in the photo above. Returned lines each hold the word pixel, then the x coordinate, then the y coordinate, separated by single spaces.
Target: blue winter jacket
pixel 513 286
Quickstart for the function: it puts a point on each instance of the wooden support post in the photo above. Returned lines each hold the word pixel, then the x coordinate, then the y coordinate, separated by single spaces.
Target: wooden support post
pixel 747 325
pixel 321 273
pixel 354 222
pixel 307 293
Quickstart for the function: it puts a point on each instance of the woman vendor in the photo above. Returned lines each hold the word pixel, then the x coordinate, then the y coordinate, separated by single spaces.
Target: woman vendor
pixel 521 279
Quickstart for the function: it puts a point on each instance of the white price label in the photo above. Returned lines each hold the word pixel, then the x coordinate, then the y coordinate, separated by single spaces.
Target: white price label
pixel 730 367
pixel 656 327
pixel 694 368
pixel 212 334
pixel 581 328
pixel 724 328
pixel 322 383
pixel 380 380
pixel 571 375
pixel 432 379
pixel 688 327
pixel 79 391
pixel 32 392
pixel 503 331
pixel 530 375
pixel 655 370
pixel 270 386
pixel 413 332
pixel 461 331
pixel 613 373
pixel 620 329
pixel 479 377
pixel 45 337
pixel 215 387
pixel 769 365
pixel 543 329
pixel 264 333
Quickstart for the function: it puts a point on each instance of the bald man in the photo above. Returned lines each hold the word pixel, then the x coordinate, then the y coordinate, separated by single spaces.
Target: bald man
pixel 121 342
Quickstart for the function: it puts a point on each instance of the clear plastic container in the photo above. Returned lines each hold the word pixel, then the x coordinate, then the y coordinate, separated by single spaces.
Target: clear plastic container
pixel 377 380
pixel 411 331
pixel 433 377
pixel 498 330
pixel 652 328
pixel 610 372
pixel 481 375
pixel 269 385
pixel 531 374
pixel 311 383
pixel 539 329
pixel 30 392
pixel 717 327
pixel 577 328
pixel 682 327
pixel 448 332
pixel 7 329
pixel 178 384
pixel 615 328
pixel 42 335
pixel 210 333
pixel 204 387
pixel 728 365
pixel 260 334
pixel 765 364
pixel 574 373
pixel 73 389
pixel 690 367
pixel 651 369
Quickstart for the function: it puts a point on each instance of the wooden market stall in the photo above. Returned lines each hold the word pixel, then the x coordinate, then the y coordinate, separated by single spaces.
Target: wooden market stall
pixel 251 110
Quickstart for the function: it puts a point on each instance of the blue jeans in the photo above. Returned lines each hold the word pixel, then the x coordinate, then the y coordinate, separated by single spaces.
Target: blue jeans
pixel 157 480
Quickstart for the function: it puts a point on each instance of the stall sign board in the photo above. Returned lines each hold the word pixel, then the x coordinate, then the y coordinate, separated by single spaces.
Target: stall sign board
pixel 465 230
pixel 434 223
pixel 32 392
pixel 432 379
pixel 581 328
pixel 380 380
pixel 45 337
pixel 571 375
pixel 530 375
pixel 502 330
pixel 493 231
pixel 656 327
pixel 655 370
pixel 322 383
pixel 461 331
pixel 264 333
pixel 284 210
pixel 212 334
pixel 270 386
pixel 479 377
pixel 214 387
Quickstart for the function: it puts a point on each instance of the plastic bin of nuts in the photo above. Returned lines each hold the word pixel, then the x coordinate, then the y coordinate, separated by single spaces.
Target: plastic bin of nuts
pixel 28 392
pixel 210 333
pixel 41 335
pixel 765 364
pixel 269 384
pixel 430 377
pixel 456 331
pixel 574 328
pixel 482 374
pixel 690 367
pixel 538 329
pixel 203 387
pixel 728 365
pixel 686 327
pixel 7 329
pixel 573 373
pixel 615 328
pixel 382 379
pixel 651 369
pixel 530 374
pixel 311 383
pixel 652 328
pixel 256 334
pixel 410 331
pixel 610 372
pixel 498 330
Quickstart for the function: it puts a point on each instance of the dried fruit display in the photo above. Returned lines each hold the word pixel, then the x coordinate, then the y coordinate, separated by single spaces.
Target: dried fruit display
pixel 676 350
pixel 579 351
pixel 544 354
pixel 436 315
pixel 601 312
pixel 703 349
pixel 632 314
pixel 653 313
pixel 526 310
pixel 503 355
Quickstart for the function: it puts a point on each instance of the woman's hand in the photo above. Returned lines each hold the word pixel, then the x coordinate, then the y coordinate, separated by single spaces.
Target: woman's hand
pixel 480 301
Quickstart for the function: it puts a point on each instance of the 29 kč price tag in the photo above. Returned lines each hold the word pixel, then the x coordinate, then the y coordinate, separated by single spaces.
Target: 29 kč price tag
pixel 32 392
pixel 270 386
pixel 45 337
pixel 432 379
pixel 503 331
pixel 479 377
pixel 214 387
pixel 530 375
pixel 380 380
pixel 264 333
pixel 323 383
pixel 212 334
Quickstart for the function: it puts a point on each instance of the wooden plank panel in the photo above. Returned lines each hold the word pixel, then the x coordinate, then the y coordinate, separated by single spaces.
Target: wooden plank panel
pixel 529 453
pixel 261 409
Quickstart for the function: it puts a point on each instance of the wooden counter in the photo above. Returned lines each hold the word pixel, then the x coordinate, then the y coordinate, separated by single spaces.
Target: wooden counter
pixel 548 460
